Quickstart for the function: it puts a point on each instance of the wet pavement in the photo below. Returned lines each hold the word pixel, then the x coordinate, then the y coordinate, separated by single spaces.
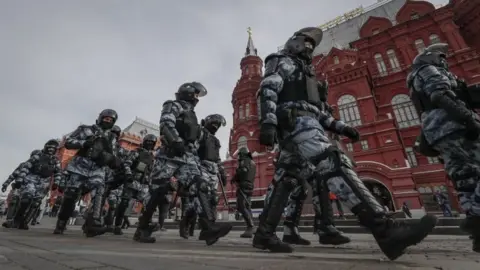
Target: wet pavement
pixel 39 249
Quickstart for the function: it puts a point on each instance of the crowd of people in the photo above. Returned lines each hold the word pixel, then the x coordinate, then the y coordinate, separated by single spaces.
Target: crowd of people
pixel 294 116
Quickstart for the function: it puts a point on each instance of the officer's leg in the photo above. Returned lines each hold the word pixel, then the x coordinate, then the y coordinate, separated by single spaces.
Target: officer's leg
pixel 392 236
pixel 162 211
pixel 112 208
pixel 184 221
pixel 462 164
pixel 295 204
pixel 324 224
pixel 96 185
pixel 243 206
pixel 125 199
pixel 12 209
pixel 284 182
pixel 211 231
pixel 27 195
pixel 70 197
pixel 162 173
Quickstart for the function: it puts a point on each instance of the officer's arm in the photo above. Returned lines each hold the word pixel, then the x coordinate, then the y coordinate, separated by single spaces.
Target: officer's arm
pixel 76 139
pixel 57 174
pixel 221 172
pixel 437 86
pixel 27 167
pixel 277 69
pixel 330 123
pixel 170 112
pixel 128 162
pixel 14 175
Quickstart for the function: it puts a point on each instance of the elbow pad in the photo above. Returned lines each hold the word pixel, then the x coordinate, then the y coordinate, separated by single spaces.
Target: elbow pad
pixel 169 136
pixel 457 111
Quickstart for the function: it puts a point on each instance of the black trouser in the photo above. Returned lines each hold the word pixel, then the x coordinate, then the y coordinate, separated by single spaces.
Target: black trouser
pixel 163 208
pixel 244 205
pixel 12 207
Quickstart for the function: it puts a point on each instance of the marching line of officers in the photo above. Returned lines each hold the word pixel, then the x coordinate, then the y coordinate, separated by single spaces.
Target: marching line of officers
pixel 295 116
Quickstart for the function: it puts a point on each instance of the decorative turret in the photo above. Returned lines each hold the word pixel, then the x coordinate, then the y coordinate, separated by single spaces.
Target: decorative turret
pixel 245 128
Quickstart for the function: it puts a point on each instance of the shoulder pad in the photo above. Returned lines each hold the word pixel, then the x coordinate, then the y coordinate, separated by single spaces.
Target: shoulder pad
pixel 271 63
pixel 428 71
pixel 411 76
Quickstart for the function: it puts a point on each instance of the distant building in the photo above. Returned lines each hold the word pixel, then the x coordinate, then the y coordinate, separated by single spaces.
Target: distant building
pixel 366 55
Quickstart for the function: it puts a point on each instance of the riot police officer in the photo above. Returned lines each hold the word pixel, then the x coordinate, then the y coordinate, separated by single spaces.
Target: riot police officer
pixel 177 157
pixel 324 221
pixel 139 165
pixel 34 182
pixel 244 179
pixel 449 129
pixel 289 101
pixel 212 172
pixel 86 171
pixel 15 193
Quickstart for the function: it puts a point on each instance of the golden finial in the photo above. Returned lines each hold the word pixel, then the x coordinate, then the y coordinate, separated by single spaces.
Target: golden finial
pixel 249 31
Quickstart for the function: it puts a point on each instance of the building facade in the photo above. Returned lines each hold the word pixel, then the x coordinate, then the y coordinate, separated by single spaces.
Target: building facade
pixel 365 56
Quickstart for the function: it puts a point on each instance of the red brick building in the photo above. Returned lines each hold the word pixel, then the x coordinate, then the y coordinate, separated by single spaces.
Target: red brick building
pixel 365 56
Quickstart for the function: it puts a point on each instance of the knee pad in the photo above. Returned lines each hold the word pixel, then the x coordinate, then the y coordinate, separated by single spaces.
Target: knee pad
pixel 202 186
pixel 300 193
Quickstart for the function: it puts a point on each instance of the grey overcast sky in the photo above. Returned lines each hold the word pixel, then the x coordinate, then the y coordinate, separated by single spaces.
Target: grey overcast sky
pixel 63 61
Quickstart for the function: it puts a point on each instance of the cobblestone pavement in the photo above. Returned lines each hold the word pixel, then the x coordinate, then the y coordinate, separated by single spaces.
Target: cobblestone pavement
pixel 39 249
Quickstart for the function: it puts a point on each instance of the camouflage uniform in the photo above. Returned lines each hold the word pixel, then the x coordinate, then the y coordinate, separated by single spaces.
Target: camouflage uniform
pixel 85 175
pixel 33 182
pixel 450 128
pixel 289 91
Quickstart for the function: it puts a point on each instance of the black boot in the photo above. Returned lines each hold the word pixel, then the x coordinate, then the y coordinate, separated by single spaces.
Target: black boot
pixel 60 227
pixel 19 220
pixel 471 225
pixel 394 236
pixel 211 231
pixel 192 224
pixel 93 226
pixel 117 230
pixel 324 219
pixel 265 236
pixel 143 234
pixel 183 227
pixel 248 233
pixel 291 234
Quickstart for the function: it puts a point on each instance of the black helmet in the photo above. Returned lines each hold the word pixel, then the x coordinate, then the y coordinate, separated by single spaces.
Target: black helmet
pixel 35 152
pixel 149 142
pixel 243 153
pixel 213 122
pixel 104 115
pixel 51 146
pixel 191 92
pixel 116 130
pixel 303 42
pixel 435 54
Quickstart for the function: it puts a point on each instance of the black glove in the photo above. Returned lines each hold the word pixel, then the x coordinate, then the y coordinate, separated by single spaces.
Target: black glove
pixel 88 142
pixel 268 135
pixel 178 148
pixel 129 178
pixel 17 184
pixel 473 130
pixel 351 133
pixel 4 187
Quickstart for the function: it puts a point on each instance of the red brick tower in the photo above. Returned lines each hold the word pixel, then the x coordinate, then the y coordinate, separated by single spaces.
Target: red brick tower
pixel 245 129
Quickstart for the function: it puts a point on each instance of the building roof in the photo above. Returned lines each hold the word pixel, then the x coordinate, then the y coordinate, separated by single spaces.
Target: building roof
pixel 348 30
pixel 141 127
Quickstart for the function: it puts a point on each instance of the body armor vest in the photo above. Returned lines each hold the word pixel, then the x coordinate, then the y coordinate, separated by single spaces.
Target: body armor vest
pixel 45 166
pixel 209 148
pixel 301 86
pixel 143 162
pixel 101 152
pixel 246 178
pixel 188 127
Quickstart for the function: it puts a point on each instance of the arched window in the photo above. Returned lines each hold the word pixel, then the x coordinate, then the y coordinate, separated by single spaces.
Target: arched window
pixel 405 112
pixel 382 68
pixel 420 45
pixel 240 111
pixel 242 143
pixel 247 111
pixel 434 39
pixel 348 109
pixel 392 57
pixel 336 60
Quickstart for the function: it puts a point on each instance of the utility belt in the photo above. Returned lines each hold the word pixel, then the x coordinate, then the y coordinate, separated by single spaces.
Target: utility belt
pixel 287 118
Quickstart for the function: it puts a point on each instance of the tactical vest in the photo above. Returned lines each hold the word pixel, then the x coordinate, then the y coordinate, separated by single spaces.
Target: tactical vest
pixel 143 162
pixel 420 100
pixel 209 148
pixel 301 86
pixel 45 166
pixel 246 179
pixel 187 126
pixel 101 152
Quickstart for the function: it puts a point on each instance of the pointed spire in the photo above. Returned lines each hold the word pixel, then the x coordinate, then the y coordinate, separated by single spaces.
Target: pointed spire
pixel 251 50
